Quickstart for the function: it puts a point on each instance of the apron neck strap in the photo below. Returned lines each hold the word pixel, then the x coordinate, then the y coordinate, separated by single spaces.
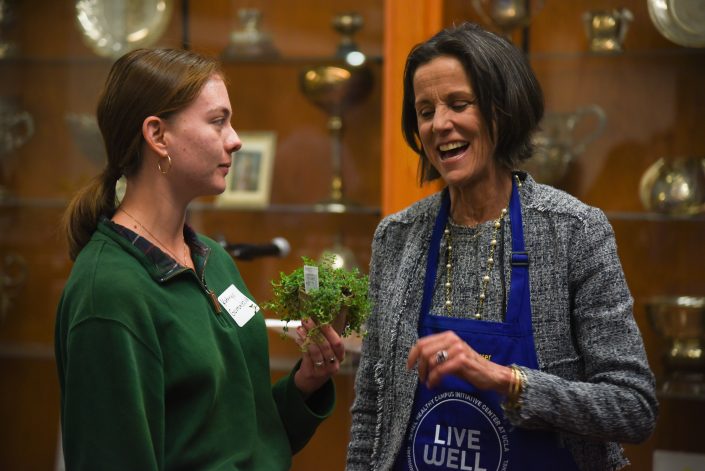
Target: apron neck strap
pixel 433 252
pixel 520 259
pixel 515 220
pixel 519 303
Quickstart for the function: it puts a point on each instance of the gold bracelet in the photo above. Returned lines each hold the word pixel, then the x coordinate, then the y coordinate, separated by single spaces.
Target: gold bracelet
pixel 513 384
pixel 516 387
pixel 519 385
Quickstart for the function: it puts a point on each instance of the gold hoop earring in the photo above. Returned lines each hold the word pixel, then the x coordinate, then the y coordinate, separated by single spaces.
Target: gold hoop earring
pixel 159 164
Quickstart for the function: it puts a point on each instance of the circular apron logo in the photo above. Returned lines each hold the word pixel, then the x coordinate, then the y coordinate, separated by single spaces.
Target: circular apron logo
pixel 455 430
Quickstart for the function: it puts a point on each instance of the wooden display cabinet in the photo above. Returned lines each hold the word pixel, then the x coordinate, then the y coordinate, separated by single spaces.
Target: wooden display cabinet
pixel 651 93
pixel 56 74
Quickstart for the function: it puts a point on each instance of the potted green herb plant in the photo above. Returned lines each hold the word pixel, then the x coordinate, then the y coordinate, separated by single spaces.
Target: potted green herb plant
pixel 340 300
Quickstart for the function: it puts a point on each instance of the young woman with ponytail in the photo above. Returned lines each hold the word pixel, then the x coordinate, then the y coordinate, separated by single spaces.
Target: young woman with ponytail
pixel 161 349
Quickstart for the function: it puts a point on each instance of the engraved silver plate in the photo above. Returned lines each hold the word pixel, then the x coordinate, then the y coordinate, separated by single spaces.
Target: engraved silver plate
pixel 680 21
pixel 113 27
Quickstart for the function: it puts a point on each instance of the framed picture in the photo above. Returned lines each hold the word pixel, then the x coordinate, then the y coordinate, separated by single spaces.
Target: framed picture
pixel 250 178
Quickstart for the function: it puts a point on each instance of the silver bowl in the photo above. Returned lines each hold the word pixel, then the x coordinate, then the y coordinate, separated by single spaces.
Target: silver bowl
pixel 674 186
pixel 680 321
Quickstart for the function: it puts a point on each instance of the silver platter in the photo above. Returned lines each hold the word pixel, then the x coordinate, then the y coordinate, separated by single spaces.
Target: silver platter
pixel 680 21
pixel 113 27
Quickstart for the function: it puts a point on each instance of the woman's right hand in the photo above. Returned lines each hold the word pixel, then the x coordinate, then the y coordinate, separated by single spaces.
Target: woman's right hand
pixel 460 360
pixel 321 358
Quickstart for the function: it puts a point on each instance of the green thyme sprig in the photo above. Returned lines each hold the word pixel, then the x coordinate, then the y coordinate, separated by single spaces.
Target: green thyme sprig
pixel 338 289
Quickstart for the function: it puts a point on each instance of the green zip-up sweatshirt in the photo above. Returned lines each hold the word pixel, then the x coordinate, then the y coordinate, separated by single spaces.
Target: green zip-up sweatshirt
pixel 156 375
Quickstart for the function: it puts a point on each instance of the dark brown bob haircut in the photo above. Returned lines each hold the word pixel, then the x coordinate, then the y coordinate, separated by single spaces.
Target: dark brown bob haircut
pixel 508 94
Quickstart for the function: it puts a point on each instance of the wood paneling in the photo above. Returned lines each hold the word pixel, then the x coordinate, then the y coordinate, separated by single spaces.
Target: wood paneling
pixel 407 24
pixel 29 409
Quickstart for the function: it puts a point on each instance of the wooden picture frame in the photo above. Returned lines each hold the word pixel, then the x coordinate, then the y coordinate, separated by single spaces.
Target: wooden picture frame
pixel 249 181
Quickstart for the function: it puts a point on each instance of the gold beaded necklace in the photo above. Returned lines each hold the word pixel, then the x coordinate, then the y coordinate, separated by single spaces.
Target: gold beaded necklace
pixel 161 244
pixel 485 281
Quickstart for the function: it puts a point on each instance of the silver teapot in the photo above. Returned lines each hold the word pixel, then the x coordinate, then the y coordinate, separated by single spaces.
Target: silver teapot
pixel 561 138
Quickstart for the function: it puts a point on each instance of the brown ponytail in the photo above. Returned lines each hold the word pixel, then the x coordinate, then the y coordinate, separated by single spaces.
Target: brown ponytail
pixel 85 209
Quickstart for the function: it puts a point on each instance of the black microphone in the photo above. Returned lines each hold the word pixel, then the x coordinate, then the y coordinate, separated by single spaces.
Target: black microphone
pixel 278 247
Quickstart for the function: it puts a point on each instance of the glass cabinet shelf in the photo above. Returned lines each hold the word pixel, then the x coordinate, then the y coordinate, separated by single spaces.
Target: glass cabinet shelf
pixel 59 61
pixel 292 209
pixel 626 54
pixel 652 217
pixel 294 60
pixel 60 203
pixel 33 202
pixel 94 60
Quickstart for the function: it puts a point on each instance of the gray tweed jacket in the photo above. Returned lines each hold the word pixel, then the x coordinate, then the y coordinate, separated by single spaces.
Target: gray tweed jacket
pixel 594 385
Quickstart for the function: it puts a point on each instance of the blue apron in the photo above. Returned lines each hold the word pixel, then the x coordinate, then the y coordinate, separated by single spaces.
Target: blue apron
pixel 457 426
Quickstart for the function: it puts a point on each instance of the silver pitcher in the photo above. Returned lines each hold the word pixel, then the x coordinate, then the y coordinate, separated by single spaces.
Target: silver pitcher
pixel 561 138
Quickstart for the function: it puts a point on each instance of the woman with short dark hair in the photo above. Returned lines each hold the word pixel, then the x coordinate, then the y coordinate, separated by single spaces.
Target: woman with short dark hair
pixel 502 335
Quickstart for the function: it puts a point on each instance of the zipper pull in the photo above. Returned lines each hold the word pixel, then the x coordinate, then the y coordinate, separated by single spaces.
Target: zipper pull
pixel 214 300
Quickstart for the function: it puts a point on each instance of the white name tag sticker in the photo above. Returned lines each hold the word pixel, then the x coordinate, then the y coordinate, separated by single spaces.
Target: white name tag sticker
pixel 240 307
